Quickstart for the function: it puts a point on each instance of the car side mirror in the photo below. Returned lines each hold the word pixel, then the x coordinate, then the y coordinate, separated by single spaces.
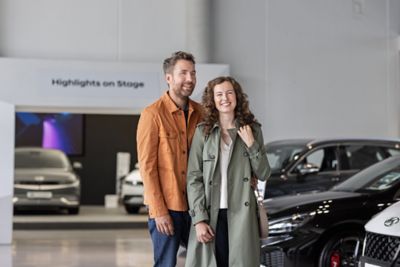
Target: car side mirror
pixel 77 165
pixel 307 168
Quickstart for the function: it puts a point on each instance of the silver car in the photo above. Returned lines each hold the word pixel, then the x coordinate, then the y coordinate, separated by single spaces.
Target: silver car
pixel 45 179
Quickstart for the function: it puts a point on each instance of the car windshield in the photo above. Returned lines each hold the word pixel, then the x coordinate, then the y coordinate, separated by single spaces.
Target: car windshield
pixel 380 176
pixel 279 156
pixel 39 159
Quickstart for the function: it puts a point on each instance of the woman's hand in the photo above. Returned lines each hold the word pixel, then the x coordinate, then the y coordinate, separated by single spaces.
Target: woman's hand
pixel 246 134
pixel 204 232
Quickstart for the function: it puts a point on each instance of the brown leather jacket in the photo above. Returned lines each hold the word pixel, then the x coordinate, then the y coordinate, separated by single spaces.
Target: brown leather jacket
pixel 163 141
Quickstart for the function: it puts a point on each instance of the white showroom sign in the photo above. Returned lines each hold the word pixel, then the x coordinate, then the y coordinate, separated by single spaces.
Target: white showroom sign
pixel 89 87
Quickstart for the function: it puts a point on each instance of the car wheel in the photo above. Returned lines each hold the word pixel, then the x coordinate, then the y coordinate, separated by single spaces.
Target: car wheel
pixel 132 209
pixel 342 249
pixel 73 210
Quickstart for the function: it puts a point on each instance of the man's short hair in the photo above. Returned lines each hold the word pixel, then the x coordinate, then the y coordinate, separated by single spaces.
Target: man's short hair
pixel 170 62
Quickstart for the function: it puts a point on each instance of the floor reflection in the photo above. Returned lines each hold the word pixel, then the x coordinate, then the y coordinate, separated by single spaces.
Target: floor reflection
pixel 83 248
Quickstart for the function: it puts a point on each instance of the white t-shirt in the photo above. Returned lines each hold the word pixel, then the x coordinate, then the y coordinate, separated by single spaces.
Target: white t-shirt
pixel 225 153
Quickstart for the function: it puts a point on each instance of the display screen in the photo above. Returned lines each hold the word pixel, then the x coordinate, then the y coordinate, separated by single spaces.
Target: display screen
pixel 63 131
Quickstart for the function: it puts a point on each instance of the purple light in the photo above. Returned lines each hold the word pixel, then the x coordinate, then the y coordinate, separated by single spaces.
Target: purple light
pixel 51 135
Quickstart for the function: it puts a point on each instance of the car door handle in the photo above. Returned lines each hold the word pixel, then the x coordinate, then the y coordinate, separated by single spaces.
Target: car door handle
pixel 335 179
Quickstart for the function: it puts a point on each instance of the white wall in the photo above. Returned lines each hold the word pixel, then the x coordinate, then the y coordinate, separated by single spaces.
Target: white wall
pixel 240 39
pixel 393 60
pixel 92 29
pixel 332 68
pixel 314 68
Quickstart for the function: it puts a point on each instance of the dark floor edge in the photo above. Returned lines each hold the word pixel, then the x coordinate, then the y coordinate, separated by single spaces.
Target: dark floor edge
pixel 79 225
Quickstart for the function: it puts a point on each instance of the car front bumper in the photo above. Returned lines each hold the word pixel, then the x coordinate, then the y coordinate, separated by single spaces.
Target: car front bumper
pixel 293 249
pixel 133 200
pixel 67 197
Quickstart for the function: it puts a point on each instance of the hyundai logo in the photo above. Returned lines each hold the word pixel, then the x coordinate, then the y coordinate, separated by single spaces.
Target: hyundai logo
pixel 392 221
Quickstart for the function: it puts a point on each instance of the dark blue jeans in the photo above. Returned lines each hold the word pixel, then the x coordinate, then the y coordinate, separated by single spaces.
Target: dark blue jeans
pixel 166 247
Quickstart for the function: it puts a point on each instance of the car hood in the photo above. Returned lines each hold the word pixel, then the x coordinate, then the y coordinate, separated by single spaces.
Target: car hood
pixel 279 204
pixel 44 176
pixel 386 222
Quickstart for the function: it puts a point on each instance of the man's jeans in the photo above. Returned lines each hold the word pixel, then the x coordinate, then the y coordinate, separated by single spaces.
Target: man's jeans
pixel 166 247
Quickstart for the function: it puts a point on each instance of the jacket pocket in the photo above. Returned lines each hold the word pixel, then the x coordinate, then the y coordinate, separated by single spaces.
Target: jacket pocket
pixel 209 157
pixel 168 142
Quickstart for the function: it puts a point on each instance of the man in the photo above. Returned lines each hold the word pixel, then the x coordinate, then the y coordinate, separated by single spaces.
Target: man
pixel 164 135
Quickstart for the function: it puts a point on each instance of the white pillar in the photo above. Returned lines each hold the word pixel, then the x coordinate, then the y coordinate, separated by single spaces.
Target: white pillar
pixel 5 256
pixel 198 29
pixel 7 125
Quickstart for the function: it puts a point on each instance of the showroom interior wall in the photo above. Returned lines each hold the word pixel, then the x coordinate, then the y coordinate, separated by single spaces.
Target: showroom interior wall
pixel 333 68
pixel 314 68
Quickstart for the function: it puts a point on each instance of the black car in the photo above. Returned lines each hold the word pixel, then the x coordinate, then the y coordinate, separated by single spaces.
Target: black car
pixel 305 165
pixel 327 228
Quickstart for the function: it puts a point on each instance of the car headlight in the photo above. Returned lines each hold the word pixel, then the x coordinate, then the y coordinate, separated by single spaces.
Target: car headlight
pixel 289 224
pixel 128 182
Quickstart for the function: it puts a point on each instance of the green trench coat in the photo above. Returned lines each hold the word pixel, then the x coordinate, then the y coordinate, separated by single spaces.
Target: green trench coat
pixel 203 189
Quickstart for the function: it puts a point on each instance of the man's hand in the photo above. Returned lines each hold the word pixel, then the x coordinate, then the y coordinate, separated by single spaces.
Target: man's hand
pixel 165 225
pixel 246 134
pixel 204 232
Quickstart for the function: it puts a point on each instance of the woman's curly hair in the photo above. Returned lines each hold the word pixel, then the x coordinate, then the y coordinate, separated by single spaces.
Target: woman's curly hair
pixel 243 114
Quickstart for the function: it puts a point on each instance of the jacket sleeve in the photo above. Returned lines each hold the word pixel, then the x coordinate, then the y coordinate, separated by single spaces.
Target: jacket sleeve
pixel 195 182
pixel 147 146
pixel 258 156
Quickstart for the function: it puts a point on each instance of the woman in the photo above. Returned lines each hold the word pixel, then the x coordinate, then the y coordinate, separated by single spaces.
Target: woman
pixel 226 151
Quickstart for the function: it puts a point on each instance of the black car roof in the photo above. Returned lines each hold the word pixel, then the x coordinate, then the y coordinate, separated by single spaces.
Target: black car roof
pixel 322 141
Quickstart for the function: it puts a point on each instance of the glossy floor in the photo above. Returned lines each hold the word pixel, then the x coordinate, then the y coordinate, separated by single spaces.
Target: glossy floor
pixel 79 248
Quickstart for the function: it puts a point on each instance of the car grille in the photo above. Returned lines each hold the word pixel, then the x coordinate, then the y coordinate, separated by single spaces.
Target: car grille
pixel 382 247
pixel 272 257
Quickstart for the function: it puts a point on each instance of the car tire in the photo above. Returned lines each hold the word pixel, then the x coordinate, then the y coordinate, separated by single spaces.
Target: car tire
pixel 339 249
pixel 132 209
pixel 73 210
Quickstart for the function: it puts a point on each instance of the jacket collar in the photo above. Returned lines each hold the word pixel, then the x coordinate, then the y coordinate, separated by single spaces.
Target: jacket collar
pixel 216 125
pixel 171 106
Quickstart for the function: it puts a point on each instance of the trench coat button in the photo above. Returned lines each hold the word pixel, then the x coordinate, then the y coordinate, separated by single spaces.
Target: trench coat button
pixel 246 204
pixel 245 179
pixel 245 154
pixel 211 156
pixel 184 152
pixel 210 182
pixel 183 172
pixel 209 207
